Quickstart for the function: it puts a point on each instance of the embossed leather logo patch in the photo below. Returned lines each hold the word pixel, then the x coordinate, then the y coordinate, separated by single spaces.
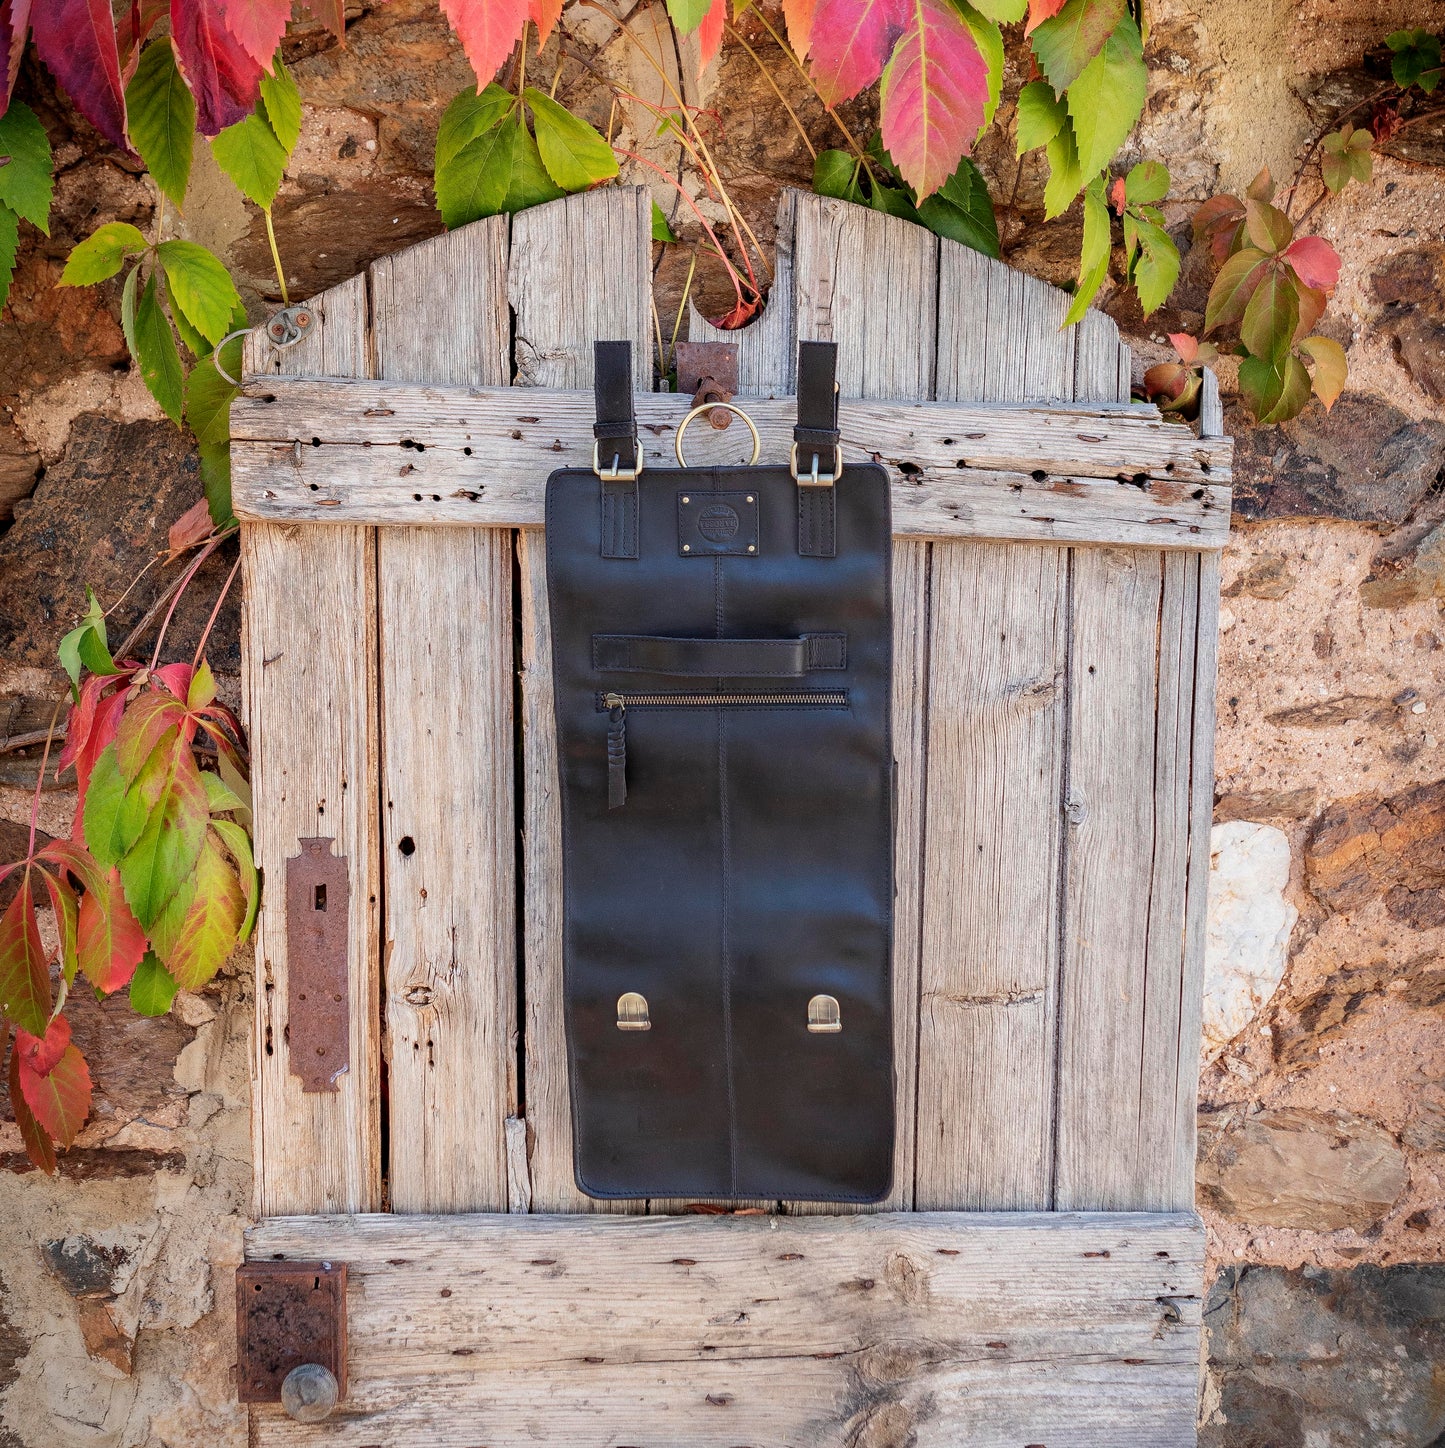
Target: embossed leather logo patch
pixel 709 524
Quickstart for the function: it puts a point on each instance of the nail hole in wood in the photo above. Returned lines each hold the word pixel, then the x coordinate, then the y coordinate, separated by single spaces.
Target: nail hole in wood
pixel 406 845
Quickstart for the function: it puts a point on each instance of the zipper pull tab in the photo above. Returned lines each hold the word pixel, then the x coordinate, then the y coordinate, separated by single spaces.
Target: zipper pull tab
pixel 616 750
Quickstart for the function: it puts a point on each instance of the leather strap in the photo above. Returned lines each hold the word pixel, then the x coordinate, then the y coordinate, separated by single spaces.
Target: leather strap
pixel 719 658
pixel 616 434
pixel 815 440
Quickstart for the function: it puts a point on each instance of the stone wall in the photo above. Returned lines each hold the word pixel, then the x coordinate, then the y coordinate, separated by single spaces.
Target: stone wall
pixel 1322 1143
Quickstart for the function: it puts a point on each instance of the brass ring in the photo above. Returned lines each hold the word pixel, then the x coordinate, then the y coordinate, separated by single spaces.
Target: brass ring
pixel 707 407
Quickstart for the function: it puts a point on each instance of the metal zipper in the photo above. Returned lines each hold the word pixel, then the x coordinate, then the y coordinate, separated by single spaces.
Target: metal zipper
pixel 615 707
pixel 827 699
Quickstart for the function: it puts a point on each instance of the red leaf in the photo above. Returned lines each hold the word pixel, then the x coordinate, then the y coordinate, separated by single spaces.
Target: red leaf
pixel 224 78
pixel 61 1098
pixel 798 17
pixel 38 1146
pixel 76 40
pixel 330 13
pixel 102 731
pixel 14 26
pixel 1315 261
pixel 1167 379
pixel 176 678
pixel 851 43
pixel 257 27
pixel 1041 10
pixel 1186 346
pixel 145 724
pixel 710 33
pixel 933 97
pixel 24 970
pixel 39 1054
pixel 110 940
pixel 739 316
pixel 487 29
pixel 544 14
pixel 1118 196
pixel 192 527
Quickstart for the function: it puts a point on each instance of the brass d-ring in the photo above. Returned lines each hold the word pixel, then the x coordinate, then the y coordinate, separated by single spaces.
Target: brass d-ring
pixel 707 407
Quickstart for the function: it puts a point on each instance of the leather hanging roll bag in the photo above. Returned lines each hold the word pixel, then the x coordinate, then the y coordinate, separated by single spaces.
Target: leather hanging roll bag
pixel 722 655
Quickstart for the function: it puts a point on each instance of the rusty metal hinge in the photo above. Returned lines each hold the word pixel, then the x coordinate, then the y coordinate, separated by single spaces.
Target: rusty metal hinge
pixel 709 370
pixel 291 1336
pixel 318 1001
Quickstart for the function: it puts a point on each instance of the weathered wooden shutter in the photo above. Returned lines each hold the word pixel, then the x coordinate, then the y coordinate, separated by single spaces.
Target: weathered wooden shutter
pixel 1035 1276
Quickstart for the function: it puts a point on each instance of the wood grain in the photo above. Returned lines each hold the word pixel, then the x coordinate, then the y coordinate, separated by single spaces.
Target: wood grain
pixel 310 688
pixel 562 309
pixel 935 1329
pixel 448 810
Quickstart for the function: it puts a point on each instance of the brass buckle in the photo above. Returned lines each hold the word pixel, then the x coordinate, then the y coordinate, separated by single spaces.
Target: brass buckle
pixel 815 479
pixel 616 474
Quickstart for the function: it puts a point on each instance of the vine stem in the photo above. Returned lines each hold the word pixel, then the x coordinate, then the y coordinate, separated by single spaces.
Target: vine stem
pixel 215 613
pixel 190 573
pixel 276 257
pixel 1314 145
pixel 767 76
pixel 40 780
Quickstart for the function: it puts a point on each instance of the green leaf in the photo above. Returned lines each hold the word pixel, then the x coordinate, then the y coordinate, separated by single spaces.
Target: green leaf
pixel 895 201
pixel 1271 314
pixel 687 15
pixel 467 117
pixel 962 210
pixel 1107 98
pixel 1416 59
pixel 1233 287
pixel 252 156
pixel 200 923
pixel 209 397
pixel 108 834
pixel 1274 391
pixel 529 184
pixel 1068 41
pixel 162 119
pixel 1148 181
pixel 86 645
pixel 1004 11
pixel 220 797
pixel 238 845
pixel 1094 256
pixel 9 247
pixel 151 988
pixel 574 153
pixel 100 255
pixel 1041 116
pixel 661 231
pixel 835 173
pixel 474 183
pixel 1269 228
pixel 1066 176
pixel 282 104
pixel 127 307
pixel 156 353
pixel 216 481
pixel 1157 268
pixel 26 185
pixel 987 37
pixel 170 801
pixel 200 287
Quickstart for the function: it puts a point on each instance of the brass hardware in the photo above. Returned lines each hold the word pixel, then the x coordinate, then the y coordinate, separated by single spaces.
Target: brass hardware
pixel 752 547
pixel 616 473
pixel 707 407
pixel 632 1012
pixel 813 478
pixel 824 1017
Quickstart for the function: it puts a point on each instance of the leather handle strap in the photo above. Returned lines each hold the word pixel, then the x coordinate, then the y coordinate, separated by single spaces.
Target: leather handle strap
pixel 718 658
pixel 616 450
pixel 815 448
pixel 817 427
pixel 616 426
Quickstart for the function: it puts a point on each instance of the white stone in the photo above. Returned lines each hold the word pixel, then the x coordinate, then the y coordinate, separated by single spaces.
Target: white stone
pixel 1249 926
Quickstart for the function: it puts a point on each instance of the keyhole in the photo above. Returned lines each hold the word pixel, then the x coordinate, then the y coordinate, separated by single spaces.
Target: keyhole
pixel 321 897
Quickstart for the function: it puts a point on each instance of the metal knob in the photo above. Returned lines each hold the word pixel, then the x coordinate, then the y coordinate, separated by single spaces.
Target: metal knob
pixel 309 1393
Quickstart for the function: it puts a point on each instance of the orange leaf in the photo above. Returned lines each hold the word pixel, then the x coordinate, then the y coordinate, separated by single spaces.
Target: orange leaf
pixel 1041 10
pixel 798 17
pixel 487 29
pixel 544 14
pixel 61 1098
pixel 195 523
pixel 709 34
pixel 109 941
pixel 38 1146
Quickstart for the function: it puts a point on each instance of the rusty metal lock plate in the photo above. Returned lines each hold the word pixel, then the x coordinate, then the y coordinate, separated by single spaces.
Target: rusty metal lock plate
pixel 288 1313
pixel 318 1000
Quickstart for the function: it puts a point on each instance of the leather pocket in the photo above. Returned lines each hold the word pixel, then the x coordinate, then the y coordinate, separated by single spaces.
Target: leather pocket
pixel 616 705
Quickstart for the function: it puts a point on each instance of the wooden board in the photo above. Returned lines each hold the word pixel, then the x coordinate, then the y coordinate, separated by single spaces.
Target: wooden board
pixel 324 451
pixel 448 813
pixel 931 1329
pixel 310 689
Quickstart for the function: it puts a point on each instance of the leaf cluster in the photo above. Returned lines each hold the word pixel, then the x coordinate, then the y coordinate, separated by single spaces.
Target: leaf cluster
pixel 488 162
pixel 1271 289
